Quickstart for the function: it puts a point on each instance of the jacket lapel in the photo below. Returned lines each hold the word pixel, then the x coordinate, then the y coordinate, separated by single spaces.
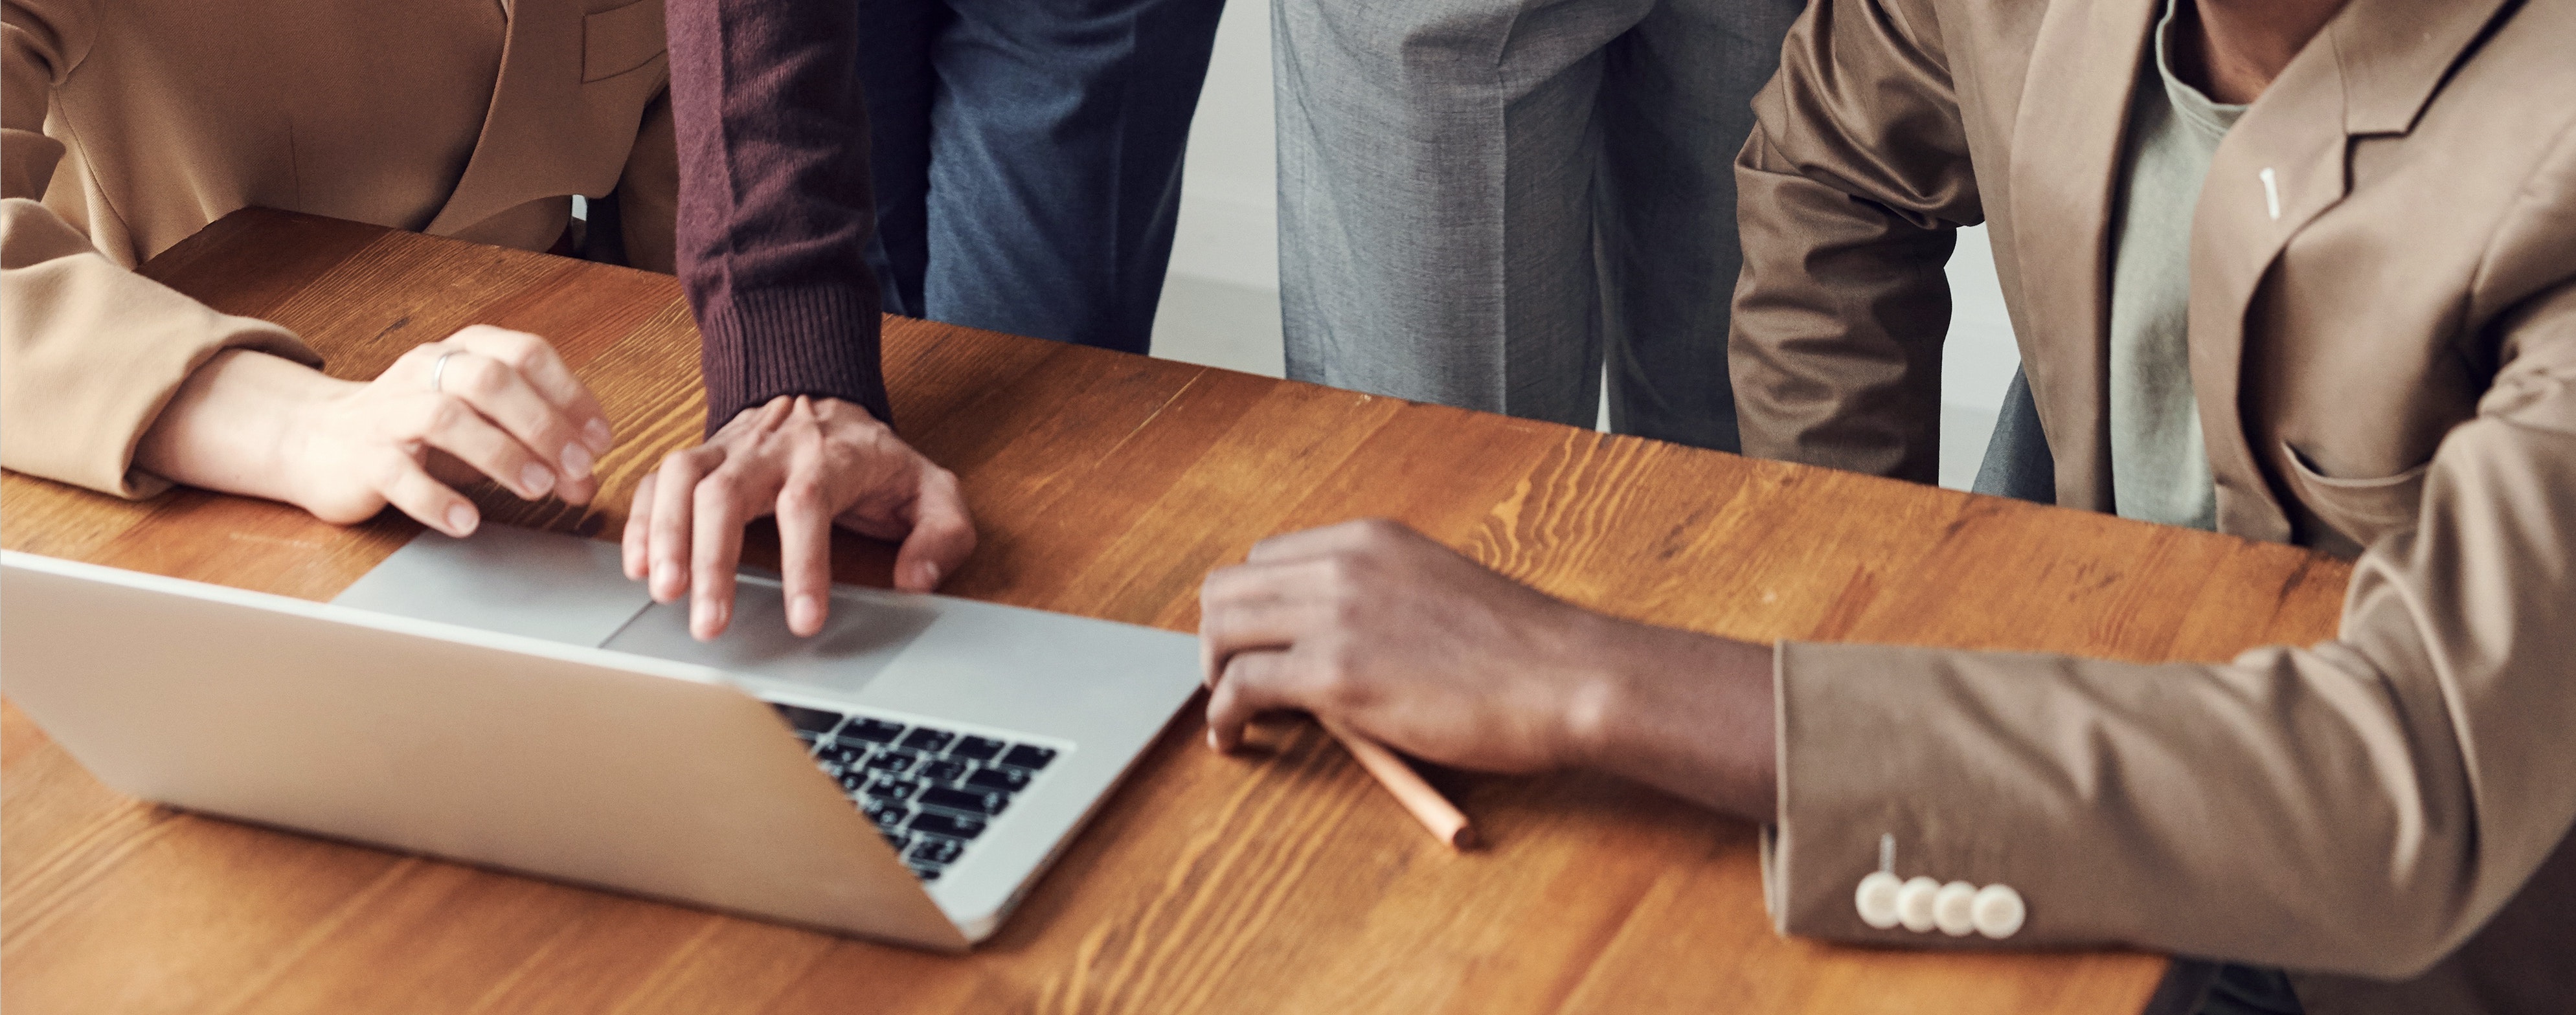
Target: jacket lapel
pixel 2064 165
pixel 526 138
pixel 2371 70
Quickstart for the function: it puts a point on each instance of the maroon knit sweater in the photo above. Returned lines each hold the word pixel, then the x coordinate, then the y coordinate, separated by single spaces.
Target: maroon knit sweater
pixel 775 210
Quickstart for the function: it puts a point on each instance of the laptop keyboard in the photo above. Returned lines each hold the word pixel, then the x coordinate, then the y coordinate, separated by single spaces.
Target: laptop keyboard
pixel 930 791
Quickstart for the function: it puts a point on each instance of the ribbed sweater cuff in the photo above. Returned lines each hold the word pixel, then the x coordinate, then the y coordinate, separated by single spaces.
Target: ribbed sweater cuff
pixel 819 341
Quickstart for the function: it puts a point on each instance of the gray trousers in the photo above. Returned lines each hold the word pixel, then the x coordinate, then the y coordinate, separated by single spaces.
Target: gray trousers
pixel 1479 200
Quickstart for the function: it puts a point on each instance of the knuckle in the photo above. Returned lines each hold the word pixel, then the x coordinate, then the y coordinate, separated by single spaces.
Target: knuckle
pixel 801 494
pixel 518 348
pixel 1339 679
pixel 1243 669
pixel 718 487
pixel 478 375
pixel 445 411
pixel 1341 574
pixel 1331 672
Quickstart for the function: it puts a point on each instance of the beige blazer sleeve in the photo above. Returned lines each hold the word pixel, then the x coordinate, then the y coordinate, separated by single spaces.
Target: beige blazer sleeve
pixel 90 352
pixel 2360 806
pixel 1842 304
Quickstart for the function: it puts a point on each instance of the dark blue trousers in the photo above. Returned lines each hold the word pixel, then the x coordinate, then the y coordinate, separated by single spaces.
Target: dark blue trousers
pixel 1027 158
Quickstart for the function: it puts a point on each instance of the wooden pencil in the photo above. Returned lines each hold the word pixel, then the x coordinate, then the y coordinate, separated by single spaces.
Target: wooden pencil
pixel 1446 822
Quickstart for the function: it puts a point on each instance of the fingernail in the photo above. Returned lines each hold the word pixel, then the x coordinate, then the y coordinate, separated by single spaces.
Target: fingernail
pixel 576 461
pixel 929 575
pixel 536 479
pixel 1211 739
pixel 597 433
pixel 805 613
pixel 460 520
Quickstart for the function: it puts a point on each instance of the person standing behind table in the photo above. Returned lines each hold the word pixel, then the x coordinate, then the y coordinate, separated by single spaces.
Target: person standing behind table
pixel 1027 171
pixel 1480 200
pixel 2377 281
pixel 1027 158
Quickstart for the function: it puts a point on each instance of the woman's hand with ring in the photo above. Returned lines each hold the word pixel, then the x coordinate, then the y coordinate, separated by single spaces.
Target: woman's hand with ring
pixel 484 400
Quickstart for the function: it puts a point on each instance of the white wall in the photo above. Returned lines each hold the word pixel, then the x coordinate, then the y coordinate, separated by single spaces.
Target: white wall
pixel 1221 304
pixel 1229 198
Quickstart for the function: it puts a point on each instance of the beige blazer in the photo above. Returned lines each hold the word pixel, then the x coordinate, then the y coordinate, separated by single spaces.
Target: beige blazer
pixel 131 124
pixel 2383 332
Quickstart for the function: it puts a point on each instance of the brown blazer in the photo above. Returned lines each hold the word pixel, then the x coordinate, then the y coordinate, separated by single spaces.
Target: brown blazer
pixel 137 122
pixel 2384 351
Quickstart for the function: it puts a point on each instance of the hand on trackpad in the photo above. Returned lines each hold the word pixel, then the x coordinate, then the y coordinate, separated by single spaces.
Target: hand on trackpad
pixel 571 590
pixel 861 636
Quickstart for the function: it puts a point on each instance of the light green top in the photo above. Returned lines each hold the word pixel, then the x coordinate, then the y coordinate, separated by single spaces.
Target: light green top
pixel 2159 467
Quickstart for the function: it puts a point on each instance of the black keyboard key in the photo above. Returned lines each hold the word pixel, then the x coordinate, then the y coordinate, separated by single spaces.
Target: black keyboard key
pixel 876 731
pixel 843 755
pixel 976 748
pixel 935 823
pixel 1007 780
pixel 985 803
pixel 851 780
pixel 888 814
pixel 808 720
pixel 942 770
pixel 927 740
pixel 935 850
pixel 1029 756
pixel 893 762
pixel 892 788
pixel 926 873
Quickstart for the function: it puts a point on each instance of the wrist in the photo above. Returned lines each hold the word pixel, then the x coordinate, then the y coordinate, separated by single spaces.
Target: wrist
pixel 1689 713
pixel 1601 703
pixel 241 423
pixel 300 411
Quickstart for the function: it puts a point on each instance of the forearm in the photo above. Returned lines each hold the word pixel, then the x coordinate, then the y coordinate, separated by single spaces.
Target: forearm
pixel 91 353
pixel 775 210
pixel 1690 714
pixel 230 427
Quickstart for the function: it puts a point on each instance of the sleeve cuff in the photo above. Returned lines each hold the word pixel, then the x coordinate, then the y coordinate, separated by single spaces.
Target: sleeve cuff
pixel 818 341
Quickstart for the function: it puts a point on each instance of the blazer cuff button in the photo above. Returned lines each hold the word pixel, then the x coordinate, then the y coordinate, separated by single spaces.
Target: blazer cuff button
pixel 1914 903
pixel 1997 911
pixel 1952 909
pixel 1876 899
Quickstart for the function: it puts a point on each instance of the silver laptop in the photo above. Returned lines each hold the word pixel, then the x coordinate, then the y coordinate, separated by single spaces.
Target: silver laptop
pixel 512 700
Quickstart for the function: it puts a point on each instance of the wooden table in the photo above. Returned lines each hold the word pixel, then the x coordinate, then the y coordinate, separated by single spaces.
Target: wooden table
pixel 1106 485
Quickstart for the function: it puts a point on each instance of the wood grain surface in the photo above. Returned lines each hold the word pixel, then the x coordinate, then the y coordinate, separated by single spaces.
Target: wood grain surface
pixel 1105 485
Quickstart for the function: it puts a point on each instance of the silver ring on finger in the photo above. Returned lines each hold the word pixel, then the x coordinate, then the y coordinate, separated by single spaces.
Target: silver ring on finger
pixel 438 369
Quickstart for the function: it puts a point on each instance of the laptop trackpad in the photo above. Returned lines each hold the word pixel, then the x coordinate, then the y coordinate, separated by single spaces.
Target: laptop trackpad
pixel 513 581
pixel 863 635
